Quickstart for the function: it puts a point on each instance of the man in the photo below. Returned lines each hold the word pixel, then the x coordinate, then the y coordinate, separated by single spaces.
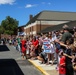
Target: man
pixel 65 37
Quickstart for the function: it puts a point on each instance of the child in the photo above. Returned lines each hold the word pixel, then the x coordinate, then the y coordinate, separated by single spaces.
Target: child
pixel 62 66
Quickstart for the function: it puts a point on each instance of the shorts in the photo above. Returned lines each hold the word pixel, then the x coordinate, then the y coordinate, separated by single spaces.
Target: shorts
pixel 43 55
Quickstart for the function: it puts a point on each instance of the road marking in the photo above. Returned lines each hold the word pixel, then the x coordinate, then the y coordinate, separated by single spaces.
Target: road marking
pixel 38 67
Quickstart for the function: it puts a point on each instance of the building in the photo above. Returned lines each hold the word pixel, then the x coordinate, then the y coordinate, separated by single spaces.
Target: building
pixel 46 19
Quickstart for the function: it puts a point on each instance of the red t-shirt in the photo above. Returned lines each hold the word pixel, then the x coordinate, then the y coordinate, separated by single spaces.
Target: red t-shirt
pixel 23 45
pixel 62 69
pixel 35 43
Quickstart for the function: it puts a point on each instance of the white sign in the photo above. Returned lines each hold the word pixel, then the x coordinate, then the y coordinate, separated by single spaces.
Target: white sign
pixel 47 46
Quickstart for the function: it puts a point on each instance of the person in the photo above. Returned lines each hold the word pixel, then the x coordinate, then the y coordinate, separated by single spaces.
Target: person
pixel 23 42
pixel 74 65
pixel 62 64
pixel 40 43
pixel 74 39
pixel 31 47
pixel 66 36
pixel 73 60
pixel 43 55
pixel 28 44
pixel 10 41
pixel 35 44
pixel 52 49
pixel 69 52
pixel 18 42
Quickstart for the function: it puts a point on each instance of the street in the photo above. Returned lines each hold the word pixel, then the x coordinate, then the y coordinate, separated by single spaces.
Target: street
pixel 11 63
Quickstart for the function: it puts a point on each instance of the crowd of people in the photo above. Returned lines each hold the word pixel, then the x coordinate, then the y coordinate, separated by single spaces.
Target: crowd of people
pixel 58 45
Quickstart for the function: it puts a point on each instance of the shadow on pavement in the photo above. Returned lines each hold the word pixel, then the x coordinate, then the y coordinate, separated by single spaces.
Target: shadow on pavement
pixel 9 67
pixel 4 48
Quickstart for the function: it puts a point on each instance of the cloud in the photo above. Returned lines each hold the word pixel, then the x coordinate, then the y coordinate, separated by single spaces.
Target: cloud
pixel 7 1
pixel 30 5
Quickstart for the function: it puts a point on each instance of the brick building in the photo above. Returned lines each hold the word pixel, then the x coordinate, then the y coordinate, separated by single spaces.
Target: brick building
pixel 46 19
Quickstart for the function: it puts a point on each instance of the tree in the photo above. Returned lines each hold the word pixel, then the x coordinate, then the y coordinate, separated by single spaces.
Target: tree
pixel 1 30
pixel 9 26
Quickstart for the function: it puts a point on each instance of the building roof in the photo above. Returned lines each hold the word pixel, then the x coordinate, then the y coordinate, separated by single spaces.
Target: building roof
pixel 21 26
pixel 53 15
pixel 57 15
pixel 70 24
pixel 33 19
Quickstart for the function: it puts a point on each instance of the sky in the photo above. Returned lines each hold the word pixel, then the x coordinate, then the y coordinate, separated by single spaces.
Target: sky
pixel 21 9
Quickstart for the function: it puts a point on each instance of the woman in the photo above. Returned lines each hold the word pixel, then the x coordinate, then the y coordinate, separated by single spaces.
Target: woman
pixel 28 51
pixel 23 42
pixel 52 49
pixel 35 43
pixel 34 48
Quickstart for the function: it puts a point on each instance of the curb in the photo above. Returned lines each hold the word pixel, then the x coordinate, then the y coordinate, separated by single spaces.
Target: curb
pixel 38 67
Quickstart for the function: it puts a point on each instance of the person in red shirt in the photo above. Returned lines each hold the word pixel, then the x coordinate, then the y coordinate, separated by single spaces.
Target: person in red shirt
pixel 62 65
pixel 35 43
pixel 23 42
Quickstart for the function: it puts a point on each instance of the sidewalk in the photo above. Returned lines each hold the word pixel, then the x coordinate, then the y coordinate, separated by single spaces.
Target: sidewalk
pixel 45 69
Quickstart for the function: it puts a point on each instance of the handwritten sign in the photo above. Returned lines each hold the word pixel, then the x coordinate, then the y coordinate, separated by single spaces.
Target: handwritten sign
pixel 47 46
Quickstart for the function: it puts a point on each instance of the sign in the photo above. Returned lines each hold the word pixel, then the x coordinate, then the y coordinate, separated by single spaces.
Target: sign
pixel 46 45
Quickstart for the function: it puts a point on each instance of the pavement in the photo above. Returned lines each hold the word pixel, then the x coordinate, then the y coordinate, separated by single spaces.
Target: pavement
pixel 11 63
pixel 45 69
pixel 9 52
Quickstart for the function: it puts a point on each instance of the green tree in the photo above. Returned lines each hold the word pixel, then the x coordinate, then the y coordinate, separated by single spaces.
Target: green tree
pixel 1 30
pixel 9 26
